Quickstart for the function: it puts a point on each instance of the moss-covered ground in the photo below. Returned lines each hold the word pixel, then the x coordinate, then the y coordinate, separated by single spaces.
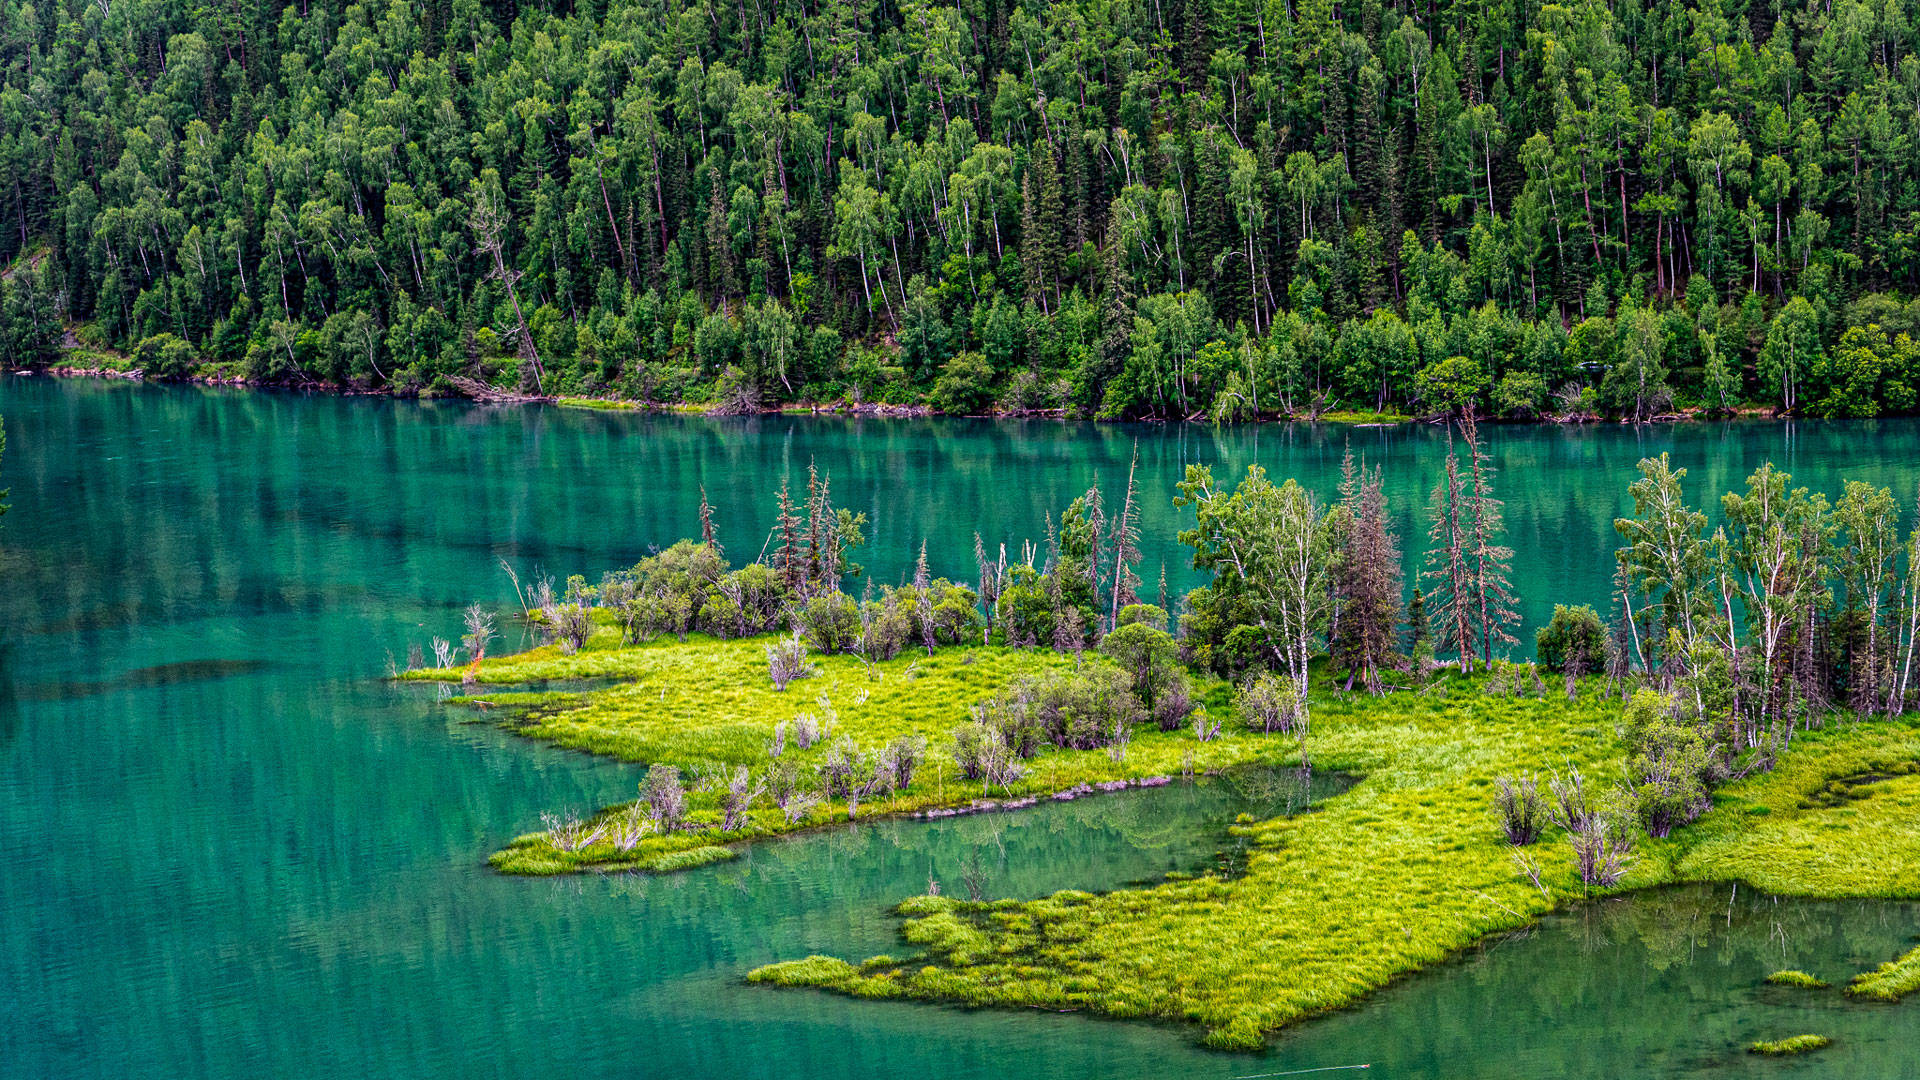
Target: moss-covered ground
pixel 1404 869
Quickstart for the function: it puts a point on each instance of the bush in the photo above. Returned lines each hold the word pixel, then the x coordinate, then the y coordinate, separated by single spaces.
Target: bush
pixel 830 623
pixel 1270 703
pixel 1084 709
pixel 884 628
pixel 1574 639
pixel 1600 848
pixel 965 386
pixel 1522 811
pixel 787 661
pixel 1151 661
pixel 568 625
pixel 666 800
pixel 1518 395
pixel 1668 764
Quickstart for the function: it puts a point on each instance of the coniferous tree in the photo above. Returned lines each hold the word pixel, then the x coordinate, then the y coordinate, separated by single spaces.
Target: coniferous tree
pixel 1366 581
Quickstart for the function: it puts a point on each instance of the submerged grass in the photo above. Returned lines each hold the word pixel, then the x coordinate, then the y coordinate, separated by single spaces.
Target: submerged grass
pixel 1797 1044
pixel 1891 981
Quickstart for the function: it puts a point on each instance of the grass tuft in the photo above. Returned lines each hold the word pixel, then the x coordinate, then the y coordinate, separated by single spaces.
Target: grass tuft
pixel 1796 978
pixel 1798 1044
pixel 1890 981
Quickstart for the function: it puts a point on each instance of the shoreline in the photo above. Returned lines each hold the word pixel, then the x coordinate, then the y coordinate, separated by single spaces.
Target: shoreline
pixel 1346 417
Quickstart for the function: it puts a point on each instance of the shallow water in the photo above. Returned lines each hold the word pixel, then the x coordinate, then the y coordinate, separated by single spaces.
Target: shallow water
pixel 227 849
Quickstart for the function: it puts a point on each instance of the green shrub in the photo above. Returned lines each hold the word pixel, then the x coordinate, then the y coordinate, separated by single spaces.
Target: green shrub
pixel 1575 637
pixel 965 386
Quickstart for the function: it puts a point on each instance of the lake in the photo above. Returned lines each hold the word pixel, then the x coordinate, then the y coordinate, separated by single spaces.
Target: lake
pixel 228 848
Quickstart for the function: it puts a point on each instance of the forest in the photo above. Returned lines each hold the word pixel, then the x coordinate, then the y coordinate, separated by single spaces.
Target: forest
pixel 1228 209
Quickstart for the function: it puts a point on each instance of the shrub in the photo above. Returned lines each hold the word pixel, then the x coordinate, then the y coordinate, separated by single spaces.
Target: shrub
pixel 1600 848
pixel 1270 703
pixel 982 753
pixel 568 625
pixel 830 623
pixel 1518 394
pixel 1572 807
pixel 1084 709
pixel 885 627
pixel 1522 811
pixel 666 799
pixel 628 829
pixel 787 661
pixel 1667 764
pixel 1151 661
pixel 965 386
pixel 738 798
pixel 845 769
pixel 569 833
pixel 899 759
pixel 1573 640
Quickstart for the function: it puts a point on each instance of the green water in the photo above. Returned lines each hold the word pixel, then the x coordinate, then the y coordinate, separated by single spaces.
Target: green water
pixel 227 849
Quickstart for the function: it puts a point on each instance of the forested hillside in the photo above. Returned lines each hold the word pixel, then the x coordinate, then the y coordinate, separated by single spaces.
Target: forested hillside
pixel 1123 208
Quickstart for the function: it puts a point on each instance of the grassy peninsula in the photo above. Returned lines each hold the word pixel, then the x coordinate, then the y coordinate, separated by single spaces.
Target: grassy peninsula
pixel 1747 713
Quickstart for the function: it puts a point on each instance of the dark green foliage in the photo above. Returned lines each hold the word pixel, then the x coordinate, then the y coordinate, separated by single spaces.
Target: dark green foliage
pixel 1129 211
pixel 1668 764
pixel 1151 660
pixel 1575 639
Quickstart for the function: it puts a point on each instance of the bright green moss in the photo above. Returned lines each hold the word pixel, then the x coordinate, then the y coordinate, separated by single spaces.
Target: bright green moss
pixel 1798 1044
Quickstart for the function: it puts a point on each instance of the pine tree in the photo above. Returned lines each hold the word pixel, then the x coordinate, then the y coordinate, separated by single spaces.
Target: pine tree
pixel 1449 565
pixel 1491 562
pixel 1367 580
pixel 1125 544
pixel 789 558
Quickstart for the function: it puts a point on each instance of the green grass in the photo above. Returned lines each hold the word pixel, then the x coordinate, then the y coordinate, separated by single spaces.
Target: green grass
pixel 707 704
pixel 1403 870
pixel 1797 979
pixel 1786 833
pixel 605 404
pixel 1891 981
pixel 1798 1044
pixel 1363 416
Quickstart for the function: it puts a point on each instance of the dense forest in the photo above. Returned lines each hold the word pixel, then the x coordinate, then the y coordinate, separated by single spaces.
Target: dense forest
pixel 1119 208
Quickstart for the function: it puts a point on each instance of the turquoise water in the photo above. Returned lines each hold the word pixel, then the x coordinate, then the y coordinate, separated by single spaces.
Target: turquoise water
pixel 227 849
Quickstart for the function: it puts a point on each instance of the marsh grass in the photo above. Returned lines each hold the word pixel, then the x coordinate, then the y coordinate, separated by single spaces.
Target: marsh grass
pixel 1797 1044
pixel 1799 979
pixel 1405 869
pixel 1891 981
pixel 707 704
